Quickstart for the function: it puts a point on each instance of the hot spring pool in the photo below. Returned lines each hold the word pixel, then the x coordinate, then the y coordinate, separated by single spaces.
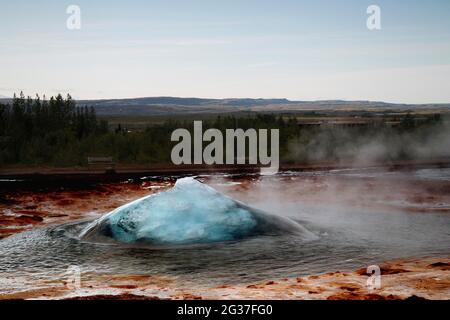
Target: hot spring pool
pixel 344 237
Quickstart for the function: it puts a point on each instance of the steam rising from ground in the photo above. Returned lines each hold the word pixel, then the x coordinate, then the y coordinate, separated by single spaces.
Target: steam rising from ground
pixel 353 147
pixel 370 204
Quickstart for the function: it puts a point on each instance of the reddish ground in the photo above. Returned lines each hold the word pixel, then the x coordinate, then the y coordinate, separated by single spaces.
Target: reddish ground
pixel 411 279
pixel 24 210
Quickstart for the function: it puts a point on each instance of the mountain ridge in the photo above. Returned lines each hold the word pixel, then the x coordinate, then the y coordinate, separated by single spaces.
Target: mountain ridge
pixel 168 105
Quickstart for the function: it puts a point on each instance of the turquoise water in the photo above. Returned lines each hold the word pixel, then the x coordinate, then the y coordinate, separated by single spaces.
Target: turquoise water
pixel 189 213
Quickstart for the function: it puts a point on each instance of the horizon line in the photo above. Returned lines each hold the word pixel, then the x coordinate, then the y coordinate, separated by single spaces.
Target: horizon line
pixel 3 97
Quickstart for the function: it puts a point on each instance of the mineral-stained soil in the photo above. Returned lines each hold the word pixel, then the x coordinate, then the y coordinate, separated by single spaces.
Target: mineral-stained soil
pixel 427 278
pixel 24 210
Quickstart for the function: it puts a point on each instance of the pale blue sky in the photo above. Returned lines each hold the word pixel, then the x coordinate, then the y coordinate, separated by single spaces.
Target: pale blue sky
pixel 302 50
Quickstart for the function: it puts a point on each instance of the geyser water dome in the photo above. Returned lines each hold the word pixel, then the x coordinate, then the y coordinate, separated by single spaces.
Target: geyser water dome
pixel 188 213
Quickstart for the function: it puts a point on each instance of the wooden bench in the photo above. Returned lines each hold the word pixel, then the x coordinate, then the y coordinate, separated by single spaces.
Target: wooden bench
pixel 105 163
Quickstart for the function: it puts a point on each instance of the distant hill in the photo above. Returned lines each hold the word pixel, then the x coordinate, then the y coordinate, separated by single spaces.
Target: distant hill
pixel 154 106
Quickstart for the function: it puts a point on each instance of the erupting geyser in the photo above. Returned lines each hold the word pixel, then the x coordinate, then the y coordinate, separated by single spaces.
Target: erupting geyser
pixel 188 213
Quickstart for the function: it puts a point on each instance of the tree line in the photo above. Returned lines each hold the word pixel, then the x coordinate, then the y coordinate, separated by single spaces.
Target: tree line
pixel 43 131
pixel 57 132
